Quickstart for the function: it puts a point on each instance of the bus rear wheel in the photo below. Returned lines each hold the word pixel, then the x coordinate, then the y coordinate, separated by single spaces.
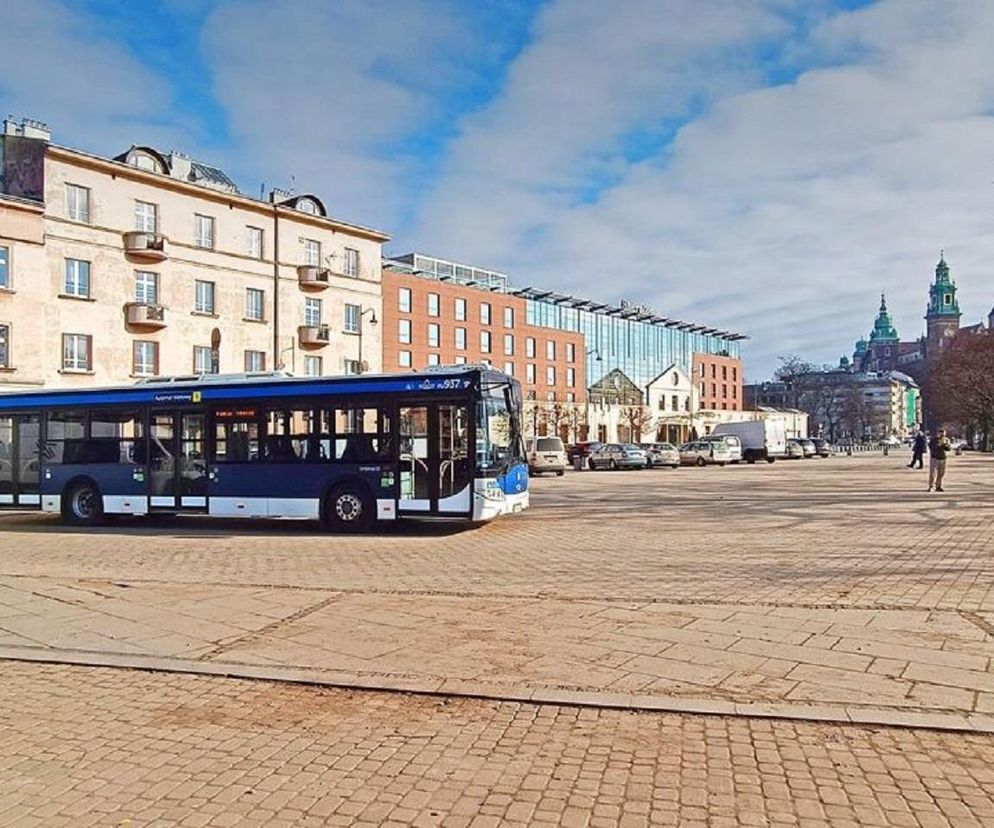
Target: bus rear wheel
pixel 82 504
pixel 348 509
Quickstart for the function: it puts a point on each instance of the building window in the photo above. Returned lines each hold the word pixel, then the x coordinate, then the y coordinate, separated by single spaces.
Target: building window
pixel 485 342
pixel 146 217
pixel 460 310
pixel 460 360
pixel 686 403
pixel 78 203
pixel 570 352
pixel 312 312
pixel 702 384
pixel 551 396
pixel 404 331
pixel 146 287
pixel 508 317
pixel 351 318
pixel 77 278
pixel 461 339
pixel 570 396
pixel 76 350
pixel 404 359
pixel 484 313
pixel 350 366
pixel 662 403
pixel 735 373
pixel 550 349
pixel 312 252
pixel 203 360
pixel 404 300
pixel 700 367
pixel 714 371
pixel 351 262
pixel 735 391
pixel 550 375
pixel 508 344
pixel 675 401
pixel 255 304
pixel 714 390
pixel 571 377
pixel 4 346
pixel 724 391
pixel 254 246
pixel 203 300
pixel 509 368
pixel 146 359
pixel 433 302
pixel 530 347
pixel 530 373
pixel 433 335
pixel 255 361
pixel 433 359
pixel 203 231
pixel 4 267
pixel 312 366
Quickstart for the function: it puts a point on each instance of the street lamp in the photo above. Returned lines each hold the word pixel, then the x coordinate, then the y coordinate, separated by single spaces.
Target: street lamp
pixel 292 348
pixel 372 321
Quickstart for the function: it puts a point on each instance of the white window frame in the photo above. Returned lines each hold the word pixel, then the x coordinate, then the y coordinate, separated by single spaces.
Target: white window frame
pixel 508 344
pixel 350 321
pixel 486 313
pixel 509 368
pixel 550 349
pixel 486 342
pixel 313 312
pixel 460 310
pixel 203 360
pixel 72 282
pixel 460 338
pixel 571 377
pixel 255 242
pixel 550 374
pixel 146 216
pixel 5 345
pixel 78 203
pixel 310 362
pixel 77 352
pixel 255 304
pixel 351 267
pixel 258 360
pixel 530 373
pixel 434 335
pixel 199 306
pixel 509 318
pixel 203 231
pixel 404 331
pixel 404 300
pixel 530 347
pixel 404 359
pixel 434 359
pixel 434 303
pixel 5 267
pixel 312 252
pixel 146 287
pixel 145 358
pixel 571 352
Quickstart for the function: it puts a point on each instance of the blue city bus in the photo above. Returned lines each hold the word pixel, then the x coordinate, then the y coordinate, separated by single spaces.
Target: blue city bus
pixel 348 451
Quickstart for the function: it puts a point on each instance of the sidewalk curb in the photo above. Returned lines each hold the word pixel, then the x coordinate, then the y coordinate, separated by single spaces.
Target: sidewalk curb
pixel 456 688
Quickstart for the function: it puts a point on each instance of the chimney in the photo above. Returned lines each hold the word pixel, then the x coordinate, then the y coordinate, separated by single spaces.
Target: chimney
pixel 180 166
pixel 28 128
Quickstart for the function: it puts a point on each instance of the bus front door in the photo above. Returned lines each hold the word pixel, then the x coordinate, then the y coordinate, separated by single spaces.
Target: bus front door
pixel 20 436
pixel 435 469
pixel 177 465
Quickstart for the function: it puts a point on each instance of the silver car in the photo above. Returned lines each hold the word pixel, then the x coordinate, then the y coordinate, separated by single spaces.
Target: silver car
pixel 795 451
pixel 618 456
pixel 662 454
pixel 704 453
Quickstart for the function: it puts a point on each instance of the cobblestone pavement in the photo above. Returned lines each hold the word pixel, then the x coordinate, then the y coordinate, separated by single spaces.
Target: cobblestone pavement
pixel 834 589
pixel 91 746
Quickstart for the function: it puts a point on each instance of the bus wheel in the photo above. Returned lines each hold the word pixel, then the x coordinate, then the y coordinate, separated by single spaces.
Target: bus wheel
pixel 82 504
pixel 348 509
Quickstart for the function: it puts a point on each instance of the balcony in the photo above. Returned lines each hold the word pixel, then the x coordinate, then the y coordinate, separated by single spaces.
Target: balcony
pixel 314 335
pixel 149 247
pixel 150 317
pixel 312 276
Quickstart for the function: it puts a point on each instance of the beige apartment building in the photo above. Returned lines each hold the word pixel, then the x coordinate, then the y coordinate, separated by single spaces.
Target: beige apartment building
pixel 151 263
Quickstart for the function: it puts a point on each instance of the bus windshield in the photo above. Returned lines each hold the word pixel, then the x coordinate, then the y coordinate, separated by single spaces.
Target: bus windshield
pixel 498 430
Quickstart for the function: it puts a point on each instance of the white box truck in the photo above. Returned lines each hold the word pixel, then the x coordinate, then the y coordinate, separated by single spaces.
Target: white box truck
pixel 761 439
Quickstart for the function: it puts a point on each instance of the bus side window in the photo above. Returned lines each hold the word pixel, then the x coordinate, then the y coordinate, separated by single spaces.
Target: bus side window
pixel 236 441
pixel 359 435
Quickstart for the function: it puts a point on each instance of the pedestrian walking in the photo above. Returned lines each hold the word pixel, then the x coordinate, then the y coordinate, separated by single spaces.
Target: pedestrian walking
pixel 918 449
pixel 938 449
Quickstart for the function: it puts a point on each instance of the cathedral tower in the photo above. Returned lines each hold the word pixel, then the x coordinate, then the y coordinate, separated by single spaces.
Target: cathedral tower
pixel 943 314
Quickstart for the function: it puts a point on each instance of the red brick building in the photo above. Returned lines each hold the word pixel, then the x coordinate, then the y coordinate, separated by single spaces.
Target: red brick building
pixel 428 321
pixel 719 382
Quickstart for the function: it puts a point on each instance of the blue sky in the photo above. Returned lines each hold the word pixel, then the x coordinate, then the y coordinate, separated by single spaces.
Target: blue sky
pixel 767 166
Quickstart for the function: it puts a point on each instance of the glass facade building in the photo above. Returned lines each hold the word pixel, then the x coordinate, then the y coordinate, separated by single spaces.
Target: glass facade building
pixel 628 338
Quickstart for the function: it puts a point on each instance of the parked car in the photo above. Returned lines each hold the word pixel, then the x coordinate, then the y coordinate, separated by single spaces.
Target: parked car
pixel 822 447
pixel 618 456
pixel 808 446
pixel 583 450
pixel 891 441
pixel 662 454
pixel 546 454
pixel 733 442
pixel 795 451
pixel 704 452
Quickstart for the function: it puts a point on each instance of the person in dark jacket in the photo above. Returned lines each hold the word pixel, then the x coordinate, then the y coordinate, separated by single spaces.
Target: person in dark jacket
pixel 918 450
pixel 938 449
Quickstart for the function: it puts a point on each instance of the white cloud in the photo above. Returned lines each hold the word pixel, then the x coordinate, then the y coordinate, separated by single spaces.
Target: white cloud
pixel 779 211
pixel 60 67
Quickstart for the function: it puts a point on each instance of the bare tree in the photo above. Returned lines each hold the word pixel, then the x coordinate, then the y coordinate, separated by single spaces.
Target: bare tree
pixel 793 373
pixel 638 418
pixel 960 386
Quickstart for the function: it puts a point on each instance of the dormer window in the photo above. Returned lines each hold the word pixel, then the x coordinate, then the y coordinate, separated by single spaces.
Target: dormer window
pixel 307 205
pixel 142 159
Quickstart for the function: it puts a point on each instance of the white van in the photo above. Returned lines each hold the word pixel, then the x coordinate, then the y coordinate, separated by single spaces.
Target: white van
pixel 732 441
pixel 760 439
pixel 546 454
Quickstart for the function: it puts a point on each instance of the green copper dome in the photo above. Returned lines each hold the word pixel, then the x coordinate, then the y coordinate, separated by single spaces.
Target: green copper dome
pixel 883 327
pixel 942 294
